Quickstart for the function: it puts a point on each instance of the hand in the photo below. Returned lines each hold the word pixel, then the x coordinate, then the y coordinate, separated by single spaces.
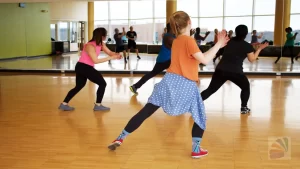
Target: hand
pixel 116 56
pixel 296 33
pixel 207 33
pixel 262 46
pixel 192 31
pixel 223 38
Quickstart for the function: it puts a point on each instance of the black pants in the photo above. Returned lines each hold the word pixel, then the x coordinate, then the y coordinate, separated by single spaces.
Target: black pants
pixel 84 72
pixel 220 77
pixel 291 50
pixel 158 68
pixel 146 112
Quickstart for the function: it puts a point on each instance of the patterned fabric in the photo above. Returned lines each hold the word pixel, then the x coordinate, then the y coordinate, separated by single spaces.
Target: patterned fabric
pixel 178 95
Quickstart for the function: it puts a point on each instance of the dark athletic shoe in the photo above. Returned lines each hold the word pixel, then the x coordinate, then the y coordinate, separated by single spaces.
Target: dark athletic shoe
pixel 133 89
pixel 138 57
pixel 245 110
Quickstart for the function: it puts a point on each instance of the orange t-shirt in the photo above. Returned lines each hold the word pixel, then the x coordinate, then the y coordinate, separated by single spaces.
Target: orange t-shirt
pixel 182 61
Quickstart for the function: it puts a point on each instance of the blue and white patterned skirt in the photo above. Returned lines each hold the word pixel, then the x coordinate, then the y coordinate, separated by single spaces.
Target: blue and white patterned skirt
pixel 178 95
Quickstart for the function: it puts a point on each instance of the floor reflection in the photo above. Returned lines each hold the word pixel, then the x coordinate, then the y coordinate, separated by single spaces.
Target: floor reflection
pixel 68 62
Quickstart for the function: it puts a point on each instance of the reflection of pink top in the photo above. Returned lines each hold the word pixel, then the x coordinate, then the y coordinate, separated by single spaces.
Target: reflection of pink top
pixel 85 58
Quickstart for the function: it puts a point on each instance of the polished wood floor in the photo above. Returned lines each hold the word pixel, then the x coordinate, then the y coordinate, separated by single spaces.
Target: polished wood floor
pixel 34 134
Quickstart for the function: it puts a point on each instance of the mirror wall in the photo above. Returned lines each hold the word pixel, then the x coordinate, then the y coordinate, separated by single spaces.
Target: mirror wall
pixel 148 20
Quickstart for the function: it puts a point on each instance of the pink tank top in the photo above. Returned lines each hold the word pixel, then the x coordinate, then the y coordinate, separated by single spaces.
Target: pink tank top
pixel 85 58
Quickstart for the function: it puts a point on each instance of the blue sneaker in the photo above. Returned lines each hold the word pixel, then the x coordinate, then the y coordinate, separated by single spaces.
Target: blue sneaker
pixel 101 108
pixel 65 107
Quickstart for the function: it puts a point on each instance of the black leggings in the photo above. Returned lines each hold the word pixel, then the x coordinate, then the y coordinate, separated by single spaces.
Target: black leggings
pixel 146 112
pixel 84 72
pixel 291 50
pixel 220 77
pixel 158 68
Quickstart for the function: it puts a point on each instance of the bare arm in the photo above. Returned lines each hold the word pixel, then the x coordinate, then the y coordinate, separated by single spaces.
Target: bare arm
pixel 209 55
pixel 253 55
pixel 90 49
pixel 107 51
pixel 123 33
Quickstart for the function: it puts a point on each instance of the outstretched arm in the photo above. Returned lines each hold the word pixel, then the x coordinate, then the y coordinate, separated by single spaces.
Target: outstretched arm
pixel 91 51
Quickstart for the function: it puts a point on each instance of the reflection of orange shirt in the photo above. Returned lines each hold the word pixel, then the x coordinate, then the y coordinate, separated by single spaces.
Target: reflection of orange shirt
pixel 182 61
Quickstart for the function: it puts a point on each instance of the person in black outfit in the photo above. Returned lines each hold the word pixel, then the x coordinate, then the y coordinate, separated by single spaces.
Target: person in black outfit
pixel 221 51
pixel 119 42
pixel 131 36
pixel 231 66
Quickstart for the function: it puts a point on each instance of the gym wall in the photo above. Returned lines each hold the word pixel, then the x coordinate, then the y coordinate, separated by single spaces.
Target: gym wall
pixel 24 31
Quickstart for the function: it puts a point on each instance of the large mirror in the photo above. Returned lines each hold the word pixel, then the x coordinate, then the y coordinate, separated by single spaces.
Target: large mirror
pixel 267 21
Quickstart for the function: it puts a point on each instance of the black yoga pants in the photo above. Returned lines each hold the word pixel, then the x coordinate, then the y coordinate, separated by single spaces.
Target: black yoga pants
pixel 220 77
pixel 84 72
pixel 158 68
pixel 146 112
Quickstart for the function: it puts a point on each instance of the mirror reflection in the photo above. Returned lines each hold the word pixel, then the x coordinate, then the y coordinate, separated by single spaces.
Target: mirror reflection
pixel 54 37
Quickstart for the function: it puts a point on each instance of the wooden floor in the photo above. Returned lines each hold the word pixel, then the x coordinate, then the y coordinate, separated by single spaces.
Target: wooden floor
pixel 34 134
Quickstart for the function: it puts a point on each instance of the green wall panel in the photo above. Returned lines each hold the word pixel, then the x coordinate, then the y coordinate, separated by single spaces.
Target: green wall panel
pixel 24 31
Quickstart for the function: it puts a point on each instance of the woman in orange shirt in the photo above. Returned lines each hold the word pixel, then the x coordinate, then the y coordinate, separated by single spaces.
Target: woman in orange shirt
pixel 178 93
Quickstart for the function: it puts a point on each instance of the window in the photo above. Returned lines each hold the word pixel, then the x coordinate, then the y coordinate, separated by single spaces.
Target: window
pixel 294 23
pixel 232 22
pixel 160 25
pixel 101 10
pixel 118 24
pixel 63 31
pixel 264 7
pixel 295 6
pixel 210 24
pixel 118 9
pixel 195 22
pixel 190 7
pixel 141 9
pixel 53 31
pixel 160 8
pixel 103 24
pixel 265 25
pixel 238 7
pixel 209 8
pixel 144 30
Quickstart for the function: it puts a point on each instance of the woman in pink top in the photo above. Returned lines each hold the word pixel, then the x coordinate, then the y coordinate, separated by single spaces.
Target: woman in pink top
pixel 85 69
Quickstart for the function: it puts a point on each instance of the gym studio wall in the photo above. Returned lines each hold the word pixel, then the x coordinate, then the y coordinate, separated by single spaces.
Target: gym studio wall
pixel 24 31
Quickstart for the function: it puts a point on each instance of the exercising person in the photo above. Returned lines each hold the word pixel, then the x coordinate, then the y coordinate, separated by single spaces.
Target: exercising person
pixel 231 66
pixel 163 60
pixel 200 38
pixel 178 93
pixel 119 42
pixel 85 69
pixel 289 44
pixel 131 36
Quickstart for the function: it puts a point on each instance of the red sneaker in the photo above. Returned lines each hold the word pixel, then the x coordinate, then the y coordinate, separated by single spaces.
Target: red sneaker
pixel 202 153
pixel 115 144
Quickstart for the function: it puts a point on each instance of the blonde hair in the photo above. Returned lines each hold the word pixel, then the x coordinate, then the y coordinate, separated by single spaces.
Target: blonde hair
pixel 179 21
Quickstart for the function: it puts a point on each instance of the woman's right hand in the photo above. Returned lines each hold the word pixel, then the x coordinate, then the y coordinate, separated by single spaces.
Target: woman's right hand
pixel 264 45
pixel 116 56
pixel 223 38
